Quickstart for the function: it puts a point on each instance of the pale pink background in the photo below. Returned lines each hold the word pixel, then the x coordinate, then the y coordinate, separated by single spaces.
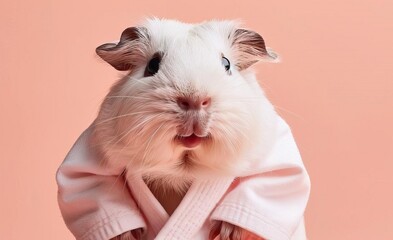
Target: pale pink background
pixel 334 87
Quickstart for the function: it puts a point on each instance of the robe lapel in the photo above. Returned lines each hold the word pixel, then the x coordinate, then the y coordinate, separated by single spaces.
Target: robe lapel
pixel 189 216
pixel 194 209
pixel 151 208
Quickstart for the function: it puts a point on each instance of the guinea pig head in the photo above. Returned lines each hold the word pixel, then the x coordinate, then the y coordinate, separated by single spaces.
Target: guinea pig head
pixel 187 106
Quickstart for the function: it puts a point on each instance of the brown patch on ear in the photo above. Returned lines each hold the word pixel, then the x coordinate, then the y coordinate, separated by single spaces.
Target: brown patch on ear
pixel 128 52
pixel 250 48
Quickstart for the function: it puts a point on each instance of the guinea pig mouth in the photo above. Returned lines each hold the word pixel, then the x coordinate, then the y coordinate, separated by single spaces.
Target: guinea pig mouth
pixel 190 141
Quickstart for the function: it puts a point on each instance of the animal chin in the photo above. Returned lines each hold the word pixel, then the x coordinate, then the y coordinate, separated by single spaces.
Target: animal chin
pixel 186 161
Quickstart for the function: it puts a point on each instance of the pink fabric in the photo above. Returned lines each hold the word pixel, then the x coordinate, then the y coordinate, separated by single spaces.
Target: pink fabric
pixel 97 204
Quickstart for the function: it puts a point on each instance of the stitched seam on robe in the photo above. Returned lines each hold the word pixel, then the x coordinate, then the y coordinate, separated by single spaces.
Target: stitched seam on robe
pixel 108 223
pixel 270 228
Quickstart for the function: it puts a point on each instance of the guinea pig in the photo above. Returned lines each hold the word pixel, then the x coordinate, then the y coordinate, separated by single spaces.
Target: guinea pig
pixel 187 107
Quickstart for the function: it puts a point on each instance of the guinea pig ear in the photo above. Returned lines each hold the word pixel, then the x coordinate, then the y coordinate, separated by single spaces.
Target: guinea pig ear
pixel 250 48
pixel 128 52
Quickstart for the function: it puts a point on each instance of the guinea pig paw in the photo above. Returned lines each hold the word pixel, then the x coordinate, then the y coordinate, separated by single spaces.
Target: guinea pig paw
pixel 227 231
pixel 135 234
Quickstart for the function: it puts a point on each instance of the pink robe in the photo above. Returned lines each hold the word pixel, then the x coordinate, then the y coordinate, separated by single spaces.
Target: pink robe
pixel 96 204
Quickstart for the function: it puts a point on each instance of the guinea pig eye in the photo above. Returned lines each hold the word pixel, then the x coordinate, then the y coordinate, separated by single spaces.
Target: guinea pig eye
pixel 225 62
pixel 153 65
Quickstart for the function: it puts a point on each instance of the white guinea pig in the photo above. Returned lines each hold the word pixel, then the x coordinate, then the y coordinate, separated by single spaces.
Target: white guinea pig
pixel 187 108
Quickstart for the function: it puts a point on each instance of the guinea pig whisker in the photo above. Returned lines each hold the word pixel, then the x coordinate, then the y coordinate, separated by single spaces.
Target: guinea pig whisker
pixel 231 137
pixel 132 97
pixel 116 180
pixel 127 132
pixel 224 132
pixel 124 132
pixel 288 111
pixel 134 80
pixel 240 84
pixel 147 150
pixel 120 116
pixel 243 100
pixel 164 133
pixel 144 122
pixel 122 135
pixel 257 98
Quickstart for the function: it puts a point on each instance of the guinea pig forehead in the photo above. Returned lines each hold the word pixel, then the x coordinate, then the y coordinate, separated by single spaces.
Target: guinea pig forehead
pixel 170 36
pixel 210 39
pixel 218 33
pixel 165 34
pixel 193 53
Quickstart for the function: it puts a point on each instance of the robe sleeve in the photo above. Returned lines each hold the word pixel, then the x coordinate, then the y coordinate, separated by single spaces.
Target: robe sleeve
pixel 95 201
pixel 271 204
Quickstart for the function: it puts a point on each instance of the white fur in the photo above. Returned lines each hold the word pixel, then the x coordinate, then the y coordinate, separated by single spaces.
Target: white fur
pixel 139 118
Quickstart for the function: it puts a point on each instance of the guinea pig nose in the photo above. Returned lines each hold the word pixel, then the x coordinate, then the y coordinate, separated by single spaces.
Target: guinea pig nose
pixel 189 103
pixel 205 102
